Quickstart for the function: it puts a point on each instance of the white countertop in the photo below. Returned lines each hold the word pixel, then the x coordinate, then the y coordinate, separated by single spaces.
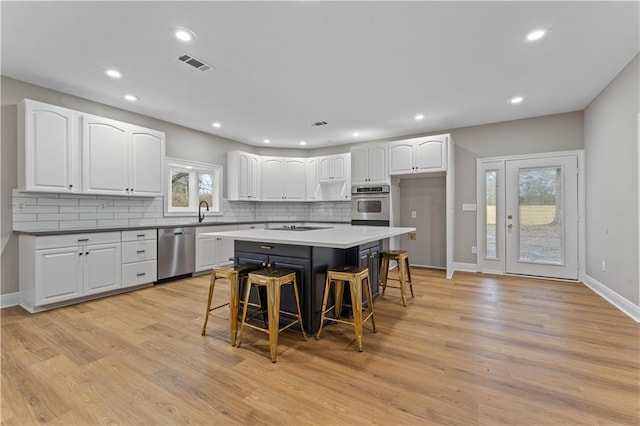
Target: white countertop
pixel 339 237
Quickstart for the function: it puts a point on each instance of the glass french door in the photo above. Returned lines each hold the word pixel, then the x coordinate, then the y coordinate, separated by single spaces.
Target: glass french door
pixel 529 220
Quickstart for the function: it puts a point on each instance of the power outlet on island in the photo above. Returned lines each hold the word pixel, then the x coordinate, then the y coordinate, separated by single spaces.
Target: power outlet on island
pixel 411 235
pixel 474 250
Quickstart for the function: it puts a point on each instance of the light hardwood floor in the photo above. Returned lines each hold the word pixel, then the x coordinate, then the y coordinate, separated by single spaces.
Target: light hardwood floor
pixel 475 350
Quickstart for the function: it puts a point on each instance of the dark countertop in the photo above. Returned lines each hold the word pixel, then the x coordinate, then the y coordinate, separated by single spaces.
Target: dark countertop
pixel 177 225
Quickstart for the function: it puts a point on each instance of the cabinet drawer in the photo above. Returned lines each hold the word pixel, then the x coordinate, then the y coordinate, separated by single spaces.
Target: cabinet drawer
pixel 139 273
pixel 71 240
pixel 139 251
pixel 141 234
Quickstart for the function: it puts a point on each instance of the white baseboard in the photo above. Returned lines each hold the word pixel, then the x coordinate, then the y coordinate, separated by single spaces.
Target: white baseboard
pixel 9 299
pixel 465 267
pixel 627 307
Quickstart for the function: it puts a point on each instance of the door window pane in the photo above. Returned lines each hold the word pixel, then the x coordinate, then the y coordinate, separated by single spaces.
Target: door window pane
pixel 179 188
pixel 540 215
pixel 491 244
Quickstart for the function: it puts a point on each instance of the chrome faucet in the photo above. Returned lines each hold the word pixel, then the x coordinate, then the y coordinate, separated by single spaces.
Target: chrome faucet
pixel 200 214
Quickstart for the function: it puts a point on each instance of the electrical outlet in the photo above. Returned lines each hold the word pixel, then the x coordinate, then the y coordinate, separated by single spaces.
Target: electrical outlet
pixel 414 214
pixel 21 207
pixel 103 205
pixel 604 266
pixel 411 235
pixel 474 250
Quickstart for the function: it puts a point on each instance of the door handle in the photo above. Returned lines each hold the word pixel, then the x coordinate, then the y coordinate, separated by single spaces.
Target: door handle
pixel 510 216
pixel 510 225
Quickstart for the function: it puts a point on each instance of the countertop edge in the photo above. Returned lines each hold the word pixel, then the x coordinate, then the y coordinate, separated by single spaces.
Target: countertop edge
pixel 176 225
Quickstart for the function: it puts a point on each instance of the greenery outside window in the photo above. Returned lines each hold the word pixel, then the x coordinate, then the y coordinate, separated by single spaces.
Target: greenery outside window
pixel 190 183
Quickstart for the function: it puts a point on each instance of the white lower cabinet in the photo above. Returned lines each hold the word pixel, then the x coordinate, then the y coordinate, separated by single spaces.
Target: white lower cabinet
pixel 139 257
pixel 60 268
pixel 211 250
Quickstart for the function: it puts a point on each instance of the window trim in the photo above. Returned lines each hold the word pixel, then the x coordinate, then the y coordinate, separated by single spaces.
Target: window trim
pixel 194 167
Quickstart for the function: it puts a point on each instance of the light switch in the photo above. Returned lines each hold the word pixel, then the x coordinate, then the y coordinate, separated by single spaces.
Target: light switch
pixel 468 207
pixel 414 214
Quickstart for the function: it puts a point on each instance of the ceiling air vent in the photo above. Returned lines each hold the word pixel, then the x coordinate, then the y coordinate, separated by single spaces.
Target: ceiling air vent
pixel 194 62
pixel 319 123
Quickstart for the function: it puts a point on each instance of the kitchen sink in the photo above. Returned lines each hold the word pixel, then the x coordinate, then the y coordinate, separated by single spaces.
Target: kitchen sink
pixel 298 228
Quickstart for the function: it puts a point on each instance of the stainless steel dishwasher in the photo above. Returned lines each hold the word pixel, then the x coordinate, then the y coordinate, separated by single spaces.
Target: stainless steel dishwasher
pixel 176 252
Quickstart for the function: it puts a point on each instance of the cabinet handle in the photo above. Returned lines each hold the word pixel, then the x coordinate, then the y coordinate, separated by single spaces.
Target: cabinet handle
pixel 219 239
pixel 80 254
pixel 266 247
pixel 142 274
pixel 83 239
pixel 87 253
pixel 140 251
pixel 177 233
pixel 371 256
pixel 131 189
pixel 141 235
pixel 70 186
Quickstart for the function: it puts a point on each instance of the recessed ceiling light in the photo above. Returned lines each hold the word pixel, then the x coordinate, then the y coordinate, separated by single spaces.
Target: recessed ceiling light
pixel 516 100
pixel 419 116
pixel 303 143
pixel 356 134
pixel 184 34
pixel 267 141
pixel 131 98
pixel 216 125
pixel 536 35
pixel 113 73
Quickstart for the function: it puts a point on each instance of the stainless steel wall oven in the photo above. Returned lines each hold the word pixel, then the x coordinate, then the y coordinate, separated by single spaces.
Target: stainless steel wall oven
pixel 370 205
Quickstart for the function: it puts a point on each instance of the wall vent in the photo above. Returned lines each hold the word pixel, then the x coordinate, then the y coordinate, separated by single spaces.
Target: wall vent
pixel 194 62
pixel 319 123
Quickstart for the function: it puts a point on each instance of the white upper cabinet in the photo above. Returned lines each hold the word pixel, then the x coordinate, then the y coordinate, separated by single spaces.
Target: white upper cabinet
pixel 62 150
pixel 283 179
pixel 243 176
pixel 146 157
pixel 333 168
pixel 369 164
pixel 418 155
pixel 120 158
pixel 104 156
pixel 313 185
pixel 48 148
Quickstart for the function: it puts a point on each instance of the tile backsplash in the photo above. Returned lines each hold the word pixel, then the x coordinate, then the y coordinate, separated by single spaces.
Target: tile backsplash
pixel 44 211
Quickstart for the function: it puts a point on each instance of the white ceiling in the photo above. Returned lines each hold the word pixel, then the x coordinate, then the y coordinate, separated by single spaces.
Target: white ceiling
pixel 366 67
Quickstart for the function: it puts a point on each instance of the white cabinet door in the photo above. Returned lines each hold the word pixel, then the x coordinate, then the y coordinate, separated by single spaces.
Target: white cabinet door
pixel 206 252
pixel 401 157
pixel 359 165
pixel 48 150
pixel 102 268
pixel 104 156
pixel 313 186
pixel 325 168
pixel 378 164
pixel 295 179
pixel 431 154
pixel 272 179
pixel 146 162
pixel 339 164
pixel 253 177
pixel 225 252
pixel 58 275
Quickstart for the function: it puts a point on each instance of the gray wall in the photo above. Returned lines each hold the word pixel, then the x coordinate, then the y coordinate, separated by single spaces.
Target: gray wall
pixel 559 132
pixel 611 155
pixel 427 197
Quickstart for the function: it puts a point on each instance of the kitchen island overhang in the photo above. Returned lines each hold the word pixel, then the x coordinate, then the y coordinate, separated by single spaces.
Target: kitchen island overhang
pixel 340 237
pixel 310 253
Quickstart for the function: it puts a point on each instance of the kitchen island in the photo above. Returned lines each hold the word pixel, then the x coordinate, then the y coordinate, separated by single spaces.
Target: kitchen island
pixel 310 251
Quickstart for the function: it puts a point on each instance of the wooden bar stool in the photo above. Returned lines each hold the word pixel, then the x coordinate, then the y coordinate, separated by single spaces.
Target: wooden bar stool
pixel 355 276
pixel 404 272
pixel 234 274
pixel 273 279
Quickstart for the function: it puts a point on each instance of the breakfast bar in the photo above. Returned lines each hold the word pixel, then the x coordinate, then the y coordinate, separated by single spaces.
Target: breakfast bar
pixel 309 251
